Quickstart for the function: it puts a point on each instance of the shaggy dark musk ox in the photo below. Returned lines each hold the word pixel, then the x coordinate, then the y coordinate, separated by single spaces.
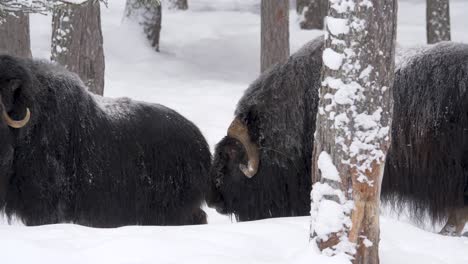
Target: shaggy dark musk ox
pixel 69 156
pixel 427 165
pixel 270 141
pixel 262 168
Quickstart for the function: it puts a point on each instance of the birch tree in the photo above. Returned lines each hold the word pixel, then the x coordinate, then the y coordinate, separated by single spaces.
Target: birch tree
pixel 14 34
pixel 147 13
pixel 312 13
pixel 274 32
pixel 437 20
pixel 77 41
pixel 353 127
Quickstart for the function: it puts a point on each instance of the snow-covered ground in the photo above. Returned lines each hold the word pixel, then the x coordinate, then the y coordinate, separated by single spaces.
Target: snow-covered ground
pixel 283 240
pixel 209 55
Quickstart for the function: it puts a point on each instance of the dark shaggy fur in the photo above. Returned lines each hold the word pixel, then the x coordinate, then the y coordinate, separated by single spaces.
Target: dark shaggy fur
pixel 427 165
pixel 92 160
pixel 279 111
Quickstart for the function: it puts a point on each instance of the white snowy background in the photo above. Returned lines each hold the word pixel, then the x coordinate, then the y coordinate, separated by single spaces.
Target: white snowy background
pixel 209 55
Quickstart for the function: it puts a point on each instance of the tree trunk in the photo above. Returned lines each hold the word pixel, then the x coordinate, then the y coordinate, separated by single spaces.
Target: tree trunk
pixel 275 32
pixel 353 125
pixel 179 4
pixel 77 42
pixel 438 20
pixel 14 35
pixel 312 13
pixel 148 13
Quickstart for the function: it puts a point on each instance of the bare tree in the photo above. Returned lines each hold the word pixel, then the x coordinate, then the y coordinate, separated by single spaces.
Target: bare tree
pixel 178 4
pixel 275 32
pixel 437 20
pixel 312 13
pixel 353 125
pixel 77 41
pixel 14 34
pixel 148 13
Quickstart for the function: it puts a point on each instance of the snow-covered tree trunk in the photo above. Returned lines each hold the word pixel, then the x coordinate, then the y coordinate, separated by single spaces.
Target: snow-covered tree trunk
pixel 178 4
pixel 148 13
pixel 353 127
pixel 274 32
pixel 14 34
pixel 77 42
pixel 312 13
pixel 437 20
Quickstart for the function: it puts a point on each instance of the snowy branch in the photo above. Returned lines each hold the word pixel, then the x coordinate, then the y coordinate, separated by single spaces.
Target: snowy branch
pixel 8 7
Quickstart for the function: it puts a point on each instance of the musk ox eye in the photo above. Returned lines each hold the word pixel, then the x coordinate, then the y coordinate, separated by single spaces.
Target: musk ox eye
pixel 232 153
pixel 14 84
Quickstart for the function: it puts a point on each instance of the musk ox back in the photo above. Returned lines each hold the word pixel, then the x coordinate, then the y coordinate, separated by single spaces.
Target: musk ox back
pixel 271 137
pixel 91 160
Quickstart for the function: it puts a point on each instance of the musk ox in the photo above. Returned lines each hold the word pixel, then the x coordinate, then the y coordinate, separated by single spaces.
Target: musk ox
pixel 67 155
pixel 427 165
pixel 262 167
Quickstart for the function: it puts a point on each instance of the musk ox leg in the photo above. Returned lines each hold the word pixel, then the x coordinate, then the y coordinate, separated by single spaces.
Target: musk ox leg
pixel 199 217
pixel 456 222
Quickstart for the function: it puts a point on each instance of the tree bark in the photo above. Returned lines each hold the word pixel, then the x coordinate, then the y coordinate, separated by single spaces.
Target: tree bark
pixel 179 4
pixel 274 32
pixel 77 42
pixel 437 21
pixel 148 13
pixel 14 35
pixel 312 13
pixel 353 125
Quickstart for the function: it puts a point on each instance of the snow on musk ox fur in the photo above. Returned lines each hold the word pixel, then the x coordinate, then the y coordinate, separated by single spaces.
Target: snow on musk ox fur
pixel 91 160
pixel 270 141
pixel 271 138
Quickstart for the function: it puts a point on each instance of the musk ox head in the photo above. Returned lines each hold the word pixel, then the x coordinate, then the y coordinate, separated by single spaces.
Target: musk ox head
pixel 262 167
pixel 239 132
pixel 236 160
pixel 252 180
pixel 15 80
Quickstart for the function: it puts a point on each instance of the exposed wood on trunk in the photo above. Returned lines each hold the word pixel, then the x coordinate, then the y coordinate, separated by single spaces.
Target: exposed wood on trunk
pixel 437 21
pixel 77 42
pixel 353 124
pixel 274 33
pixel 14 35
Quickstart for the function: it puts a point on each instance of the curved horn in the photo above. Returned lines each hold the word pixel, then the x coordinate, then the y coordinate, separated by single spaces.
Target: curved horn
pixel 17 124
pixel 239 131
